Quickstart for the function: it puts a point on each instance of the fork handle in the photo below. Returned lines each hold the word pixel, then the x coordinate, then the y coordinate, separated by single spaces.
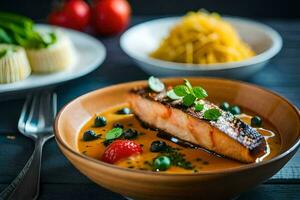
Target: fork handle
pixel 27 184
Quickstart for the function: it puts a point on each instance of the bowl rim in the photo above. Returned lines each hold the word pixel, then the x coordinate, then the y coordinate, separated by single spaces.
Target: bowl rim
pixel 61 143
pixel 259 58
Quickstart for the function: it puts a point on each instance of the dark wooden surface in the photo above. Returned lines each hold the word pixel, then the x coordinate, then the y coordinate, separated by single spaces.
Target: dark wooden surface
pixel 60 180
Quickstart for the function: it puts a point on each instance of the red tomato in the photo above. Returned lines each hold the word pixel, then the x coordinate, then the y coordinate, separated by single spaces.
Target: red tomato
pixel 120 149
pixel 111 16
pixel 74 14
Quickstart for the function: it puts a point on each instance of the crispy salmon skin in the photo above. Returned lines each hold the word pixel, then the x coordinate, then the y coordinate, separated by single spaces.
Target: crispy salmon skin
pixel 227 136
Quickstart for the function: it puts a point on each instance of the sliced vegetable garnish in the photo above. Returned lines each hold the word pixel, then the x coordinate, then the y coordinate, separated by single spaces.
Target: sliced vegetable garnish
pixel 155 84
pixel 171 94
pixel 114 133
pixel 212 114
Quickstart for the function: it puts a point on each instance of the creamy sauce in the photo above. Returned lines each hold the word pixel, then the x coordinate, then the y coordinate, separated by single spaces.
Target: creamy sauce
pixel 201 160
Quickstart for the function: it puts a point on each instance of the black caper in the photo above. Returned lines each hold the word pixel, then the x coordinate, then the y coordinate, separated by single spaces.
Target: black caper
pixel 124 111
pixel 89 136
pixel 100 121
pixel 158 146
pixel 118 125
pixel 225 106
pixel 256 121
pixel 235 110
pixel 130 134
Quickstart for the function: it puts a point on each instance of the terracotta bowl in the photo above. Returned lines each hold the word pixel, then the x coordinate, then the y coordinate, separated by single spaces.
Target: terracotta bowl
pixel 221 184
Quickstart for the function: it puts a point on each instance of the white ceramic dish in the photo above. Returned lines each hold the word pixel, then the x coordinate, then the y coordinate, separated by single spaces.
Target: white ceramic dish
pixel 140 40
pixel 90 53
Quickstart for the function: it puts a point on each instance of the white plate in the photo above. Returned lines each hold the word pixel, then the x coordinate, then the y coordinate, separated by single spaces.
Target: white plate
pixel 140 40
pixel 90 54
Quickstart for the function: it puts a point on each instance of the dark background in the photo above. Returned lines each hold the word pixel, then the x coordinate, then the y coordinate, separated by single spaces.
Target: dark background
pixel 38 9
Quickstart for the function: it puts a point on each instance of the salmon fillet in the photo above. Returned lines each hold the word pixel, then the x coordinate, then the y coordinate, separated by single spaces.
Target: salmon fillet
pixel 228 136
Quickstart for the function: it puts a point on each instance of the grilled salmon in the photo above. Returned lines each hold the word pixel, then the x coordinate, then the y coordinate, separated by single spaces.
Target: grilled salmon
pixel 227 136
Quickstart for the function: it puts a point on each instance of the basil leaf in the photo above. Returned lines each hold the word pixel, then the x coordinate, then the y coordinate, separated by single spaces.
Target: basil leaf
pixel 212 114
pixel 199 107
pixel 189 99
pixel 171 94
pixel 181 90
pixel 199 92
pixel 155 84
pixel 114 133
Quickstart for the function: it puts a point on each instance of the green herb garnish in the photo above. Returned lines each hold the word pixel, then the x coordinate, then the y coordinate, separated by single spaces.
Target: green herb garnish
pixel 199 107
pixel 190 94
pixel 189 100
pixel 212 114
pixel 155 84
pixel 114 133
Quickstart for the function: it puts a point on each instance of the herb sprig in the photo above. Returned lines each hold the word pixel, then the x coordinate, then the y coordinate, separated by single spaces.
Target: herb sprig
pixel 189 93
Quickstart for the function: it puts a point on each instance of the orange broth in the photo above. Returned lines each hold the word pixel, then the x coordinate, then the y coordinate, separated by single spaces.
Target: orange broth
pixel 200 159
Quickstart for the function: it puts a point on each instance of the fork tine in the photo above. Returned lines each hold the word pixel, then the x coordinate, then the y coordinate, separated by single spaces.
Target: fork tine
pixel 33 114
pixel 48 109
pixel 54 104
pixel 24 114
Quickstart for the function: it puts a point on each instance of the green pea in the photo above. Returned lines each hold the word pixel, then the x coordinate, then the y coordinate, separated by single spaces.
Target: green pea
pixel 162 163
pixel 100 121
pixel 225 106
pixel 235 110
pixel 256 121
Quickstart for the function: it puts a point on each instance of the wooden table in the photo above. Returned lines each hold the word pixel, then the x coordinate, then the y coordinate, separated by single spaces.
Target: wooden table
pixel 60 180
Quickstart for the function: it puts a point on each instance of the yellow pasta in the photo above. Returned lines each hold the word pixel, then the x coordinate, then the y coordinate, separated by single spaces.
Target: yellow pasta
pixel 203 38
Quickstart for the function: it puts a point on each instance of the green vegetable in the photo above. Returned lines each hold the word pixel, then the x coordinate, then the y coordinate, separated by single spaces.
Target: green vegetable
pixel 89 136
pixel 100 121
pixel 161 163
pixel 235 110
pixel 114 133
pixel 190 94
pixel 189 100
pixel 4 37
pixel 256 121
pixel 225 106
pixel 199 107
pixel 16 29
pixel 212 114
pixel 171 94
pixel 181 90
pixel 199 92
pixel 155 84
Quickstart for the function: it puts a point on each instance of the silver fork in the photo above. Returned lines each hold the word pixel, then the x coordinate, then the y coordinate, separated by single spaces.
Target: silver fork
pixel 35 122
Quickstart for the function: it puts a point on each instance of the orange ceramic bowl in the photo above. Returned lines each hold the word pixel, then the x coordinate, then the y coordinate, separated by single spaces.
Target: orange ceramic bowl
pixel 221 184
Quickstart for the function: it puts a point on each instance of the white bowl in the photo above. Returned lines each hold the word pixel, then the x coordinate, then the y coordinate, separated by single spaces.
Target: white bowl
pixel 140 40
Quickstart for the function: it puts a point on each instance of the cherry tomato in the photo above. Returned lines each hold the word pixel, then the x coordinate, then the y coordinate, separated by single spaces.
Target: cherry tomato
pixel 111 16
pixel 120 149
pixel 74 14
